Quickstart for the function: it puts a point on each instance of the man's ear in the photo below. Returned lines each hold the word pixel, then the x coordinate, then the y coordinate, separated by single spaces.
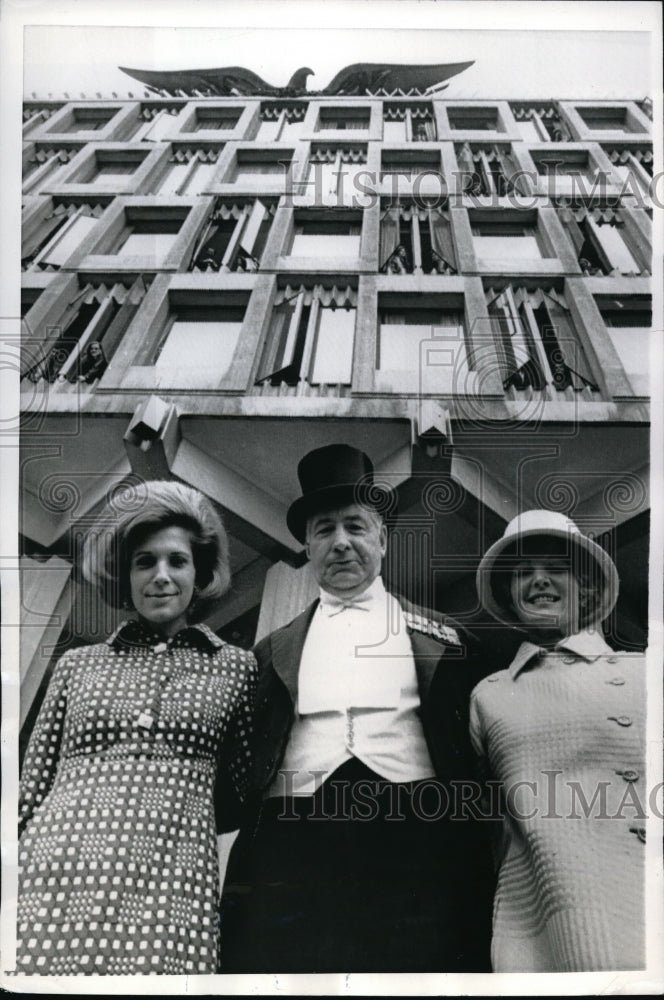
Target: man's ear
pixel 383 538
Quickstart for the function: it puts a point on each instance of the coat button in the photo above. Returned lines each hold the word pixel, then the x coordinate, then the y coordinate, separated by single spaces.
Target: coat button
pixel 612 659
pixel 629 774
pixel 622 720
pixel 569 659
pixel 492 680
pixel 617 681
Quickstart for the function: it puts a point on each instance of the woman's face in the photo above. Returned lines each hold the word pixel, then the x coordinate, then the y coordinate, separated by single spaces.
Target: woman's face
pixel 94 350
pixel 162 575
pixel 545 595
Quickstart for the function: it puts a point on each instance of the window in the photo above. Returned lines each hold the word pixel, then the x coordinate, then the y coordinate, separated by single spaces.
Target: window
pixel 488 170
pixel 570 163
pixel 330 234
pixel 514 240
pixel 189 170
pixel 416 239
pixel 233 238
pixel 251 165
pixel 85 120
pixel 600 241
pixel 342 119
pixel 149 233
pixel 223 119
pixel 412 174
pixel 109 169
pixel 335 175
pixel 467 119
pixel 58 236
pixel 603 118
pixel 42 166
pixel 628 322
pixel 154 122
pixel 281 122
pixel 402 330
pixel 540 123
pixel 536 344
pixel 200 337
pixel 633 167
pixel 36 115
pixel 79 347
pixel 402 123
pixel 311 336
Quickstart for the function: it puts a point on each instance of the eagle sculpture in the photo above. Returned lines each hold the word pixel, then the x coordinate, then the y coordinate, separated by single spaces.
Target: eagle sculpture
pixel 355 80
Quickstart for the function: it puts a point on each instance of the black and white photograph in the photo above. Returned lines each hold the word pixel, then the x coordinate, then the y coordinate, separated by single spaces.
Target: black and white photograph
pixel 332 409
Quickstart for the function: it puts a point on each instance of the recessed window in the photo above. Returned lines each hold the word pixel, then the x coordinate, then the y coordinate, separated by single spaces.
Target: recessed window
pixel 540 123
pixel 190 170
pixel 404 123
pixel 59 235
pixel 218 119
pixel 472 119
pixel 326 235
pixel 628 321
pixel 605 118
pixel 403 330
pixel 44 163
pixel 335 175
pixel 150 234
pixel 536 343
pixel 514 240
pixel 311 337
pixel 253 164
pixel 416 239
pixel 487 170
pixel 201 337
pixel 574 163
pixel 109 169
pixel 281 123
pixel 341 119
pixel 600 240
pixel 86 336
pixel 634 168
pixel 86 120
pixel 234 237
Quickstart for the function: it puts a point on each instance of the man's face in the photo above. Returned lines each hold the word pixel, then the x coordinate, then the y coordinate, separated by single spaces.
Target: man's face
pixel 545 595
pixel 345 548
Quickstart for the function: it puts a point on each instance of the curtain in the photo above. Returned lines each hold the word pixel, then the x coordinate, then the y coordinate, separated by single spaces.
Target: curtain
pixel 389 235
pixel 442 241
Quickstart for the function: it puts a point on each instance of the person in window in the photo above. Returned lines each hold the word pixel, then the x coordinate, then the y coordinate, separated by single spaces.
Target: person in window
pixel 118 855
pixel 92 366
pixel 562 731
pixel 398 262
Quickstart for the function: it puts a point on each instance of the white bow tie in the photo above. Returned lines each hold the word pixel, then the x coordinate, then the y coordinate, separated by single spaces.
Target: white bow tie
pixel 332 605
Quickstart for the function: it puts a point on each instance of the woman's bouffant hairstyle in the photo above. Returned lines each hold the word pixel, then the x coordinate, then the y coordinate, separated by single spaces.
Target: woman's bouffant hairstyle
pixel 138 512
pixel 586 571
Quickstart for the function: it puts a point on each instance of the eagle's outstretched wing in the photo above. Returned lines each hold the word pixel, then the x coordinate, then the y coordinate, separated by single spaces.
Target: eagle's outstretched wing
pixel 223 82
pixel 360 77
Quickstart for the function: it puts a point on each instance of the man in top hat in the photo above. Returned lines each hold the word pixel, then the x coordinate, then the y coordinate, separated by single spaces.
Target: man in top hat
pixel 358 856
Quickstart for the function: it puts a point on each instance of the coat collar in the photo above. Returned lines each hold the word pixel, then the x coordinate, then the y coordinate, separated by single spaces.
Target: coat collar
pixel 135 633
pixel 588 645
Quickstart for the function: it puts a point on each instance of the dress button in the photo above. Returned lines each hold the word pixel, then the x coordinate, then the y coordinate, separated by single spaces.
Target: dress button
pixel 622 720
pixel 629 774
pixel 617 681
pixel 569 659
pixel 612 659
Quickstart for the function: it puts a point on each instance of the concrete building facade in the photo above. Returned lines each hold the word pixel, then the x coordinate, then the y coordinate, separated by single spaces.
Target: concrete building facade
pixel 460 288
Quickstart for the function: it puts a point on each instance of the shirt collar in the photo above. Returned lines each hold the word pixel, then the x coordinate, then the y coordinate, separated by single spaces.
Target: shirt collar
pixel 373 594
pixel 136 633
pixel 586 644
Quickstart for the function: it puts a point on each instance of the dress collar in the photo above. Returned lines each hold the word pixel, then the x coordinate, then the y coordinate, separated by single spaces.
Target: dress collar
pixel 586 644
pixel 136 633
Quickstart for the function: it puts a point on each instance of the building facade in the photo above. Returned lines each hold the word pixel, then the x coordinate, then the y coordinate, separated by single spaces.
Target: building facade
pixel 460 288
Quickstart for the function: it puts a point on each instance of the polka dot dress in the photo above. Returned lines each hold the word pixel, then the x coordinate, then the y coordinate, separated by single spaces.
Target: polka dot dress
pixel 118 855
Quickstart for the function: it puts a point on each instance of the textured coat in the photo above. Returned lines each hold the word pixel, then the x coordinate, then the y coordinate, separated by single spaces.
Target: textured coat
pixel 557 733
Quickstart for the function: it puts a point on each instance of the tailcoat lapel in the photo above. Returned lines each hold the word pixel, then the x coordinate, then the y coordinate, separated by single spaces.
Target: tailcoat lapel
pixel 287 646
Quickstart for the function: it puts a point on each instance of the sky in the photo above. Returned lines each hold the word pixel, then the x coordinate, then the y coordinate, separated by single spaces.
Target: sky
pixel 275 38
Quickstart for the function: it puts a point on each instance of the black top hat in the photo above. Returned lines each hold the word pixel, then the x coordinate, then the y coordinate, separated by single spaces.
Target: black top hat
pixel 334 476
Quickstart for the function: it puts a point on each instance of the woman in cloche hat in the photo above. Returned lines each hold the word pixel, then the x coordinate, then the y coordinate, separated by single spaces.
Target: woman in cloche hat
pixel 562 732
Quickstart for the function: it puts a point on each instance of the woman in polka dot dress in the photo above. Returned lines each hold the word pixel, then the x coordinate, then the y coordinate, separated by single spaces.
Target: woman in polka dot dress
pixel 118 858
